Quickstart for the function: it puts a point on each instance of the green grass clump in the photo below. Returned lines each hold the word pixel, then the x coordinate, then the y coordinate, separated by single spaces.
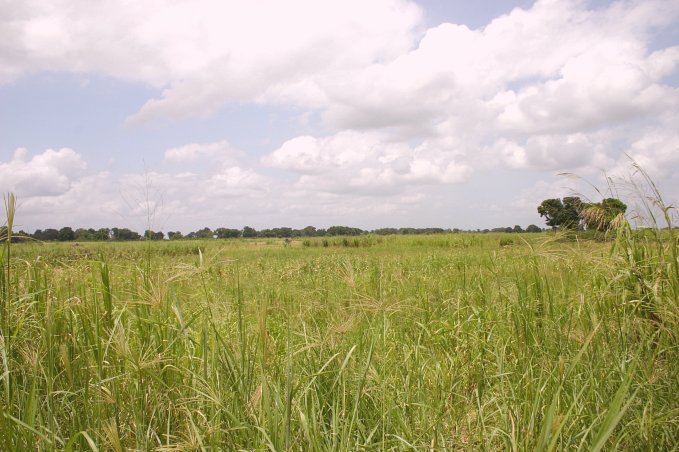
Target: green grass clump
pixel 425 343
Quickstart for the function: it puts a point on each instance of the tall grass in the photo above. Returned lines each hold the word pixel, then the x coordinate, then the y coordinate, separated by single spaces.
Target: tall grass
pixel 426 343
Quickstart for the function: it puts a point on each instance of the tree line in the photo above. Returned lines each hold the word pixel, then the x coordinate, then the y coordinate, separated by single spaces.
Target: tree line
pixel 68 234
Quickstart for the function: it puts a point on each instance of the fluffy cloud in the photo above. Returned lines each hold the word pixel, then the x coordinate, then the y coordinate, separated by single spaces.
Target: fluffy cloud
pixel 204 52
pixel 359 162
pixel 57 182
pixel 657 151
pixel 364 64
pixel 48 174
pixel 594 69
pixel 553 152
pixel 504 94
pixel 220 151
pixel 554 68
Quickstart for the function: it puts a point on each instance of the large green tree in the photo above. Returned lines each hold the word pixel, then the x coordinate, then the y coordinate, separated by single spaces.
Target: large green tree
pixel 205 233
pixel 175 235
pixel 227 233
pixel 120 234
pixel 153 235
pixel 249 232
pixel 66 234
pixel 563 214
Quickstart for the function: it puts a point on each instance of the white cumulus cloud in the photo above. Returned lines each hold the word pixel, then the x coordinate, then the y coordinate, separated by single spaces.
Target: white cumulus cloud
pixel 50 173
pixel 360 162
pixel 220 151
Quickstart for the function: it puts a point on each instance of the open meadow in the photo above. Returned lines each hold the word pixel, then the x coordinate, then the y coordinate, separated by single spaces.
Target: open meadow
pixel 441 342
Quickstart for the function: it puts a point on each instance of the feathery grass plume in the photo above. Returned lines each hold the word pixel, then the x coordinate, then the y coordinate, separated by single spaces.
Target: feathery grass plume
pixel 648 253
pixel 597 216
pixel 6 237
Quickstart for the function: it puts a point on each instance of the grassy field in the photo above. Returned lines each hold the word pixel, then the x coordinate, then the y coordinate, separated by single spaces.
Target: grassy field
pixel 447 342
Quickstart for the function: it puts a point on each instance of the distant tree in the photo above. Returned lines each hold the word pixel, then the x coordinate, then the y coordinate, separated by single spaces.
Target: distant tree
pixel 385 231
pixel 517 228
pixel 175 235
pixel 153 235
pixel 309 231
pixel 343 230
pixel 85 235
pixel 47 235
pixel 284 232
pixel 533 228
pixel 561 214
pixel 267 233
pixel 571 216
pixel 205 233
pixel 66 234
pixel 227 233
pixel 124 234
pixel 103 234
pixel 249 232
pixel 552 210
pixel 418 231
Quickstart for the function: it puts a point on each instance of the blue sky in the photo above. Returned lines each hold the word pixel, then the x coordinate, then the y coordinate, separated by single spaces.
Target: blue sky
pixel 388 113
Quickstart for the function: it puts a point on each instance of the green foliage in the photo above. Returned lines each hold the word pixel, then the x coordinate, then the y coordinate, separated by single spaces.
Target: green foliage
pixel 249 232
pixel 605 215
pixel 559 213
pixel 343 230
pixel 205 233
pixel 572 213
pixel 227 233
pixel 47 235
pixel 124 234
pixel 309 231
pixel 92 235
pixel 175 235
pixel 153 235
pixel 66 234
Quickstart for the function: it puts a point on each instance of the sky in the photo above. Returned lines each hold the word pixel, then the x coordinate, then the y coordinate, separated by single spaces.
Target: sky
pixel 182 114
